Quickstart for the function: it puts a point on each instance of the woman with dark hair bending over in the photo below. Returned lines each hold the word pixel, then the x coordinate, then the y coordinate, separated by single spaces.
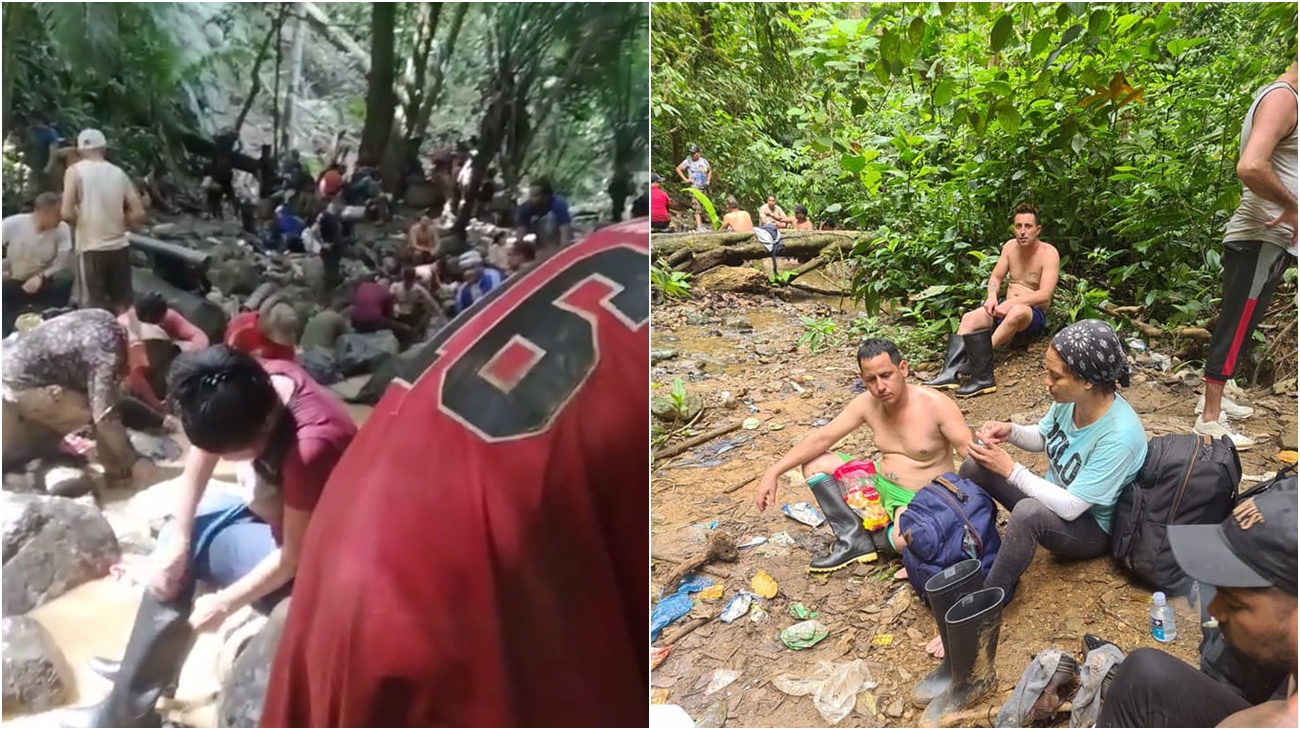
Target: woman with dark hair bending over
pixel 286 433
pixel 1095 446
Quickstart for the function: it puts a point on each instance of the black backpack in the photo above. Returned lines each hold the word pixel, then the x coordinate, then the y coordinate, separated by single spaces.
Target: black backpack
pixel 1187 479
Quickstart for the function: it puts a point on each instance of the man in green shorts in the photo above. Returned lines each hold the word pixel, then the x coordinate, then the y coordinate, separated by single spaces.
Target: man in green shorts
pixel 917 430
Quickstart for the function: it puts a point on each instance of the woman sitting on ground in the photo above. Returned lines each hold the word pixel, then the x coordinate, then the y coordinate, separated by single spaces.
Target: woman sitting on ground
pixel 1095 446
pixel 285 433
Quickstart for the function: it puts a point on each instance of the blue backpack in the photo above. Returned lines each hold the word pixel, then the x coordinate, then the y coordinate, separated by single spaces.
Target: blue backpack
pixel 950 520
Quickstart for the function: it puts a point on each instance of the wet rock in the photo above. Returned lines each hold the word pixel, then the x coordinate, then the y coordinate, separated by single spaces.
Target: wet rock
pixel 69 481
pixel 664 408
pixel 658 356
pixel 358 353
pixel 37 677
pixel 244 690
pixel 764 350
pixel 739 323
pixel 51 545
pixel 321 365
pixel 728 400
pixel 733 279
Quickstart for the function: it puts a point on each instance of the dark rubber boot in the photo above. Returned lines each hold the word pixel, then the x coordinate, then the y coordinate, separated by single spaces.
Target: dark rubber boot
pixel 853 543
pixel 979 349
pixel 1061 688
pixel 974 623
pixel 943 591
pixel 1091 642
pixel 108 669
pixel 160 640
pixel 880 538
pixel 952 364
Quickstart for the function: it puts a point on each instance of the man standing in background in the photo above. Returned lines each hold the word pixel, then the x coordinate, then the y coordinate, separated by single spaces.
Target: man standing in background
pixel 1259 245
pixel 102 203
pixel 700 177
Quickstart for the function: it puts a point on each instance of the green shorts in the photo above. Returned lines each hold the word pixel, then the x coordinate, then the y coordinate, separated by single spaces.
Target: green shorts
pixel 892 496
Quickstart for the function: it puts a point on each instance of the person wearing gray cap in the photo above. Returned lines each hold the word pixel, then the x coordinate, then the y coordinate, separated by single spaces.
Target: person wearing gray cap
pixel 1250 558
pixel 698 173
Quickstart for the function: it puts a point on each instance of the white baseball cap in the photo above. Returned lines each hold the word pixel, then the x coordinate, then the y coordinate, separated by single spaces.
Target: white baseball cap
pixel 91 139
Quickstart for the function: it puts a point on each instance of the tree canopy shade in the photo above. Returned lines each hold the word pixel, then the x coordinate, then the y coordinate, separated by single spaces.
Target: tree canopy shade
pixel 925 123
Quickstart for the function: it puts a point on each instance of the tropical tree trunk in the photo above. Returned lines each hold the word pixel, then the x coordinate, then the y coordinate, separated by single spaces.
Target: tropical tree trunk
pixel 381 100
pixel 297 45
pixel 445 50
pixel 256 73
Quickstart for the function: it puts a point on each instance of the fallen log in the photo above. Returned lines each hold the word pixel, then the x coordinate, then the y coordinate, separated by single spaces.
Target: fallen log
pixel 1148 330
pixel 696 440
pixel 697 252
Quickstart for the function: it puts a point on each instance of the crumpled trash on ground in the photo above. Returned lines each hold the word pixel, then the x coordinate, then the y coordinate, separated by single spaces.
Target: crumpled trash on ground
pixel 834 687
pixel 804 634
pixel 721 679
pixel 677 605
pixel 764 585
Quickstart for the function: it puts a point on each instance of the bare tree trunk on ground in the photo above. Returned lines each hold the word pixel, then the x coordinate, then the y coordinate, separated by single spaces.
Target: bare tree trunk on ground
pixel 698 252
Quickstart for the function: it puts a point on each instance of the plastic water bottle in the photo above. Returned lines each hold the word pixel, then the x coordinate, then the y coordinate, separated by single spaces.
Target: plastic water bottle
pixel 1162 619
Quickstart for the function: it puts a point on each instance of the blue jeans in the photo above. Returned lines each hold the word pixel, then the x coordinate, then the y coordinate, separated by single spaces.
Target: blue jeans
pixel 228 542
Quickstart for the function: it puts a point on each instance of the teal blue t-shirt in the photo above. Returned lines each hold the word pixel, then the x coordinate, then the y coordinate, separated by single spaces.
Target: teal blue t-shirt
pixel 1095 462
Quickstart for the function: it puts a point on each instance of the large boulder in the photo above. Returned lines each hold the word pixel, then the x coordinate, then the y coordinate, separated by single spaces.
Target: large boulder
pixel 51 545
pixel 37 677
pixel 244 690
pixel 237 276
pixel 359 353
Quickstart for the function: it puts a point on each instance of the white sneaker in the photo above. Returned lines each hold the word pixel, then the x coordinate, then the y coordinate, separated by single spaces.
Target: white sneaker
pixel 1227 408
pixel 1217 429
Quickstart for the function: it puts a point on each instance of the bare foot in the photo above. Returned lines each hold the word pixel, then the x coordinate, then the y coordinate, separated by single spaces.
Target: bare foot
pixel 935 647
pixel 901 574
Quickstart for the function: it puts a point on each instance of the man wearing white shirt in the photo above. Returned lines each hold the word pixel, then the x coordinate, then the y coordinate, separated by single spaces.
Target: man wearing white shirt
pixel 37 260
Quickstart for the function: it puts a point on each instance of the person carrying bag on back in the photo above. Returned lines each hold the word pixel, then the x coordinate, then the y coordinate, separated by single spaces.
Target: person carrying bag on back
pixel 1095 446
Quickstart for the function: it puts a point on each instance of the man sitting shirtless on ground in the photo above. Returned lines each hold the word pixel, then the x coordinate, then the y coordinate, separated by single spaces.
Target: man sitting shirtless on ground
pixel 1034 266
pixel 916 429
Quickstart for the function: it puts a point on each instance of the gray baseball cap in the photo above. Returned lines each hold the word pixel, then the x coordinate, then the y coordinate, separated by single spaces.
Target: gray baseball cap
pixel 1254 548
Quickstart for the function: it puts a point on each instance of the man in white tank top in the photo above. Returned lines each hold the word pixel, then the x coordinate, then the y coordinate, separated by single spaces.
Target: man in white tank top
pixel 1259 245
pixel 102 204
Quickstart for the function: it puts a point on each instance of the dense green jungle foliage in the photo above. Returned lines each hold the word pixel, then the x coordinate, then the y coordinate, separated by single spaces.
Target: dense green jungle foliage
pixel 571 78
pixel 925 123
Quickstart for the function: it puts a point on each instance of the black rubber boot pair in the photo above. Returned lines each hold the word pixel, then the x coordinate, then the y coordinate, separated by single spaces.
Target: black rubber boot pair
pixel 160 641
pixel 970 354
pixel 853 544
pixel 969 618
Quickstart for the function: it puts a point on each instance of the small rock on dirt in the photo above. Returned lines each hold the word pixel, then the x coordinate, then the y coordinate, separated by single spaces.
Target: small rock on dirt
pixel 658 356
pixel 738 323
pixel 895 709
pixel 37 677
pixel 51 545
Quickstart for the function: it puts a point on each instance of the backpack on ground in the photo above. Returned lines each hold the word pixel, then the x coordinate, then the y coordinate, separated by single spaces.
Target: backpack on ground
pixel 1187 479
pixel 949 520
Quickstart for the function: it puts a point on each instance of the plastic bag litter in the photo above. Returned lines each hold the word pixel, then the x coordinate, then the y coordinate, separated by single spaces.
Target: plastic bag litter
pixel 834 687
pixel 669 717
pixel 677 605
pixel 803 512
pixel 738 606
pixel 804 634
pixel 721 678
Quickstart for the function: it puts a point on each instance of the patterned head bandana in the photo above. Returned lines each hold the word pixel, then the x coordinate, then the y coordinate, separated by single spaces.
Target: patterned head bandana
pixel 1093 352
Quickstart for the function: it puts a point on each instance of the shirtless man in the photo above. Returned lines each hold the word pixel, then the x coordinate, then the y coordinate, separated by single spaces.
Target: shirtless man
pixel 1035 267
pixel 423 241
pixel 736 220
pixel 916 430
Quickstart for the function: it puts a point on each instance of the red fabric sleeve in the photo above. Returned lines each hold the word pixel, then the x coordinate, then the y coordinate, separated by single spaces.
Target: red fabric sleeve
pixel 180 329
pixel 305 472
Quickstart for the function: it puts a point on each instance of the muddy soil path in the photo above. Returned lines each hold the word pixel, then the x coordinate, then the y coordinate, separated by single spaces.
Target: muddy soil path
pixel 738 354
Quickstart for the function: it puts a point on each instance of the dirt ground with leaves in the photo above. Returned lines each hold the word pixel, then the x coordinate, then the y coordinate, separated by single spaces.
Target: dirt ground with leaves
pixel 742 356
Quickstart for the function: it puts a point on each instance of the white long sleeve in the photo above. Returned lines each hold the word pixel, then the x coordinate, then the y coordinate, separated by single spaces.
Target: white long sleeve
pixel 1065 505
pixel 1028 438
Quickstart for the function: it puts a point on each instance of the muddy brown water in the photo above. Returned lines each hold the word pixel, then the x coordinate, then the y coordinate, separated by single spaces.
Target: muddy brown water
pixel 95 619
pixel 870 616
